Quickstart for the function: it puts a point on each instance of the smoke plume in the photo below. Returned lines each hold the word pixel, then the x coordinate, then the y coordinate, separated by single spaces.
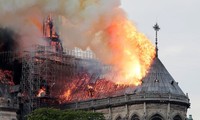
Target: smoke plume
pixel 8 40
pixel 99 24
pixel 82 21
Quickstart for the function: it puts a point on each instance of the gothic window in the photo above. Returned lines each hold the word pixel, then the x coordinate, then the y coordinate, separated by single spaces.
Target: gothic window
pixel 156 117
pixel 177 117
pixel 119 118
pixel 135 117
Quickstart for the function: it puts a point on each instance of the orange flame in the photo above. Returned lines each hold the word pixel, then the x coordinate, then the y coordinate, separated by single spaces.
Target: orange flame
pixel 133 52
pixel 85 90
pixel 41 92
pixel 67 95
pixel 36 22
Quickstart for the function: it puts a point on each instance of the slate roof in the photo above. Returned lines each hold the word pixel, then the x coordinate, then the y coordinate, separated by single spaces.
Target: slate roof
pixel 159 80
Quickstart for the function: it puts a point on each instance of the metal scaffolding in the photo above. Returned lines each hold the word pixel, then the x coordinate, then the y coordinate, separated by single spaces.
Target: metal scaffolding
pixel 45 69
pixel 37 71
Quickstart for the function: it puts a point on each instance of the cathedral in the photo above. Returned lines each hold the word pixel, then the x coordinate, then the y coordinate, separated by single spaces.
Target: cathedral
pixel 158 98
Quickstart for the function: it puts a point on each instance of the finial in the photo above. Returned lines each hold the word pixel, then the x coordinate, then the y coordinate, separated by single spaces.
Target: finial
pixel 156 28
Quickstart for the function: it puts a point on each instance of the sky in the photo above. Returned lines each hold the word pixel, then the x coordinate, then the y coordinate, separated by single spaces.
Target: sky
pixel 178 39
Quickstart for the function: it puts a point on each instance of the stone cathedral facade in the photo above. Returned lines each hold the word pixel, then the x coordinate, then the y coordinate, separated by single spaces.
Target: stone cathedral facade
pixel 158 98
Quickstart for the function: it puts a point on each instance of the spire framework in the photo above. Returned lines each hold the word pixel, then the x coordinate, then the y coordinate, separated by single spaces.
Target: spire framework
pixel 156 28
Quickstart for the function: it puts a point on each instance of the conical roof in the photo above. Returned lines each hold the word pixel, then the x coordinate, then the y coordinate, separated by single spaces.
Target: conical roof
pixel 158 80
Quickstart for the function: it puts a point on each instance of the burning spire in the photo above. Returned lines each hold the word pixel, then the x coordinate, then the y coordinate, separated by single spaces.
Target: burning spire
pixel 49 32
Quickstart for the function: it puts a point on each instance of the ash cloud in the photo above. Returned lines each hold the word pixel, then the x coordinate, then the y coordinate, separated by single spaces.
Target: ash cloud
pixel 83 21
pixel 83 24
pixel 8 40
pixel 9 43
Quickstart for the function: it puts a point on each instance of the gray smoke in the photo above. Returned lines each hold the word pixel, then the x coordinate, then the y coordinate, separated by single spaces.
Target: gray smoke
pixel 82 21
pixel 8 40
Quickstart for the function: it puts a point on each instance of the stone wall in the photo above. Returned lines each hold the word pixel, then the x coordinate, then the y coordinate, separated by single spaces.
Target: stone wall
pixel 7 109
pixel 8 115
pixel 144 111
pixel 143 106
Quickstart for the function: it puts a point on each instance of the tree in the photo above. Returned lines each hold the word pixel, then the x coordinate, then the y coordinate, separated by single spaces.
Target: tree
pixel 56 114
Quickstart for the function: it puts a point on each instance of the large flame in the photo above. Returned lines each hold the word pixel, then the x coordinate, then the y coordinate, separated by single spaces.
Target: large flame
pixel 133 52
pixel 82 89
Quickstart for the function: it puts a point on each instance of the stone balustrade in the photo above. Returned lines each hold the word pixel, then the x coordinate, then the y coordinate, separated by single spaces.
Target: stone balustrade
pixel 126 99
pixel 7 103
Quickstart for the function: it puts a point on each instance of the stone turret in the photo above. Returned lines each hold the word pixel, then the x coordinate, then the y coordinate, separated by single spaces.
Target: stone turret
pixel 159 97
pixel 8 107
pixel 163 98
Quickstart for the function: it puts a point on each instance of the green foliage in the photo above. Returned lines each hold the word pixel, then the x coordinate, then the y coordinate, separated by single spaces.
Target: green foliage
pixel 56 114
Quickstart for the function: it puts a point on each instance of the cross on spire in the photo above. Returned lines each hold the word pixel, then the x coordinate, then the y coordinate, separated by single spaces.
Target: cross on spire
pixel 156 28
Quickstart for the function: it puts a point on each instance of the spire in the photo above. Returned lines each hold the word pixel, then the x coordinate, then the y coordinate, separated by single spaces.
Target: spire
pixel 156 28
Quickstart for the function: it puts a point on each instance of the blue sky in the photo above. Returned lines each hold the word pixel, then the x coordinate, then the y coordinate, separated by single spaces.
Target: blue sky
pixel 179 39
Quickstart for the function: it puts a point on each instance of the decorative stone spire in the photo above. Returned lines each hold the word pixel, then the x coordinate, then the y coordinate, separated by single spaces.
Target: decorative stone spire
pixel 156 28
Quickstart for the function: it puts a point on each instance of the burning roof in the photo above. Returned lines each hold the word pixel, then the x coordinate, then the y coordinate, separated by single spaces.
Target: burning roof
pixel 108 32
pixel 72 23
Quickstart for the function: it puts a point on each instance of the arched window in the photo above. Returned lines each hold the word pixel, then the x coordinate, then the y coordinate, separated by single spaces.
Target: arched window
pixel 119 118
pixel 156 117
pixel 177 117
pixel 135 117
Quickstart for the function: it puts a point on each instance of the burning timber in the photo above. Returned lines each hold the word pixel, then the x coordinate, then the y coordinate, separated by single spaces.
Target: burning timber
pixel 66 81
pixel 53 78
pixel 48 76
